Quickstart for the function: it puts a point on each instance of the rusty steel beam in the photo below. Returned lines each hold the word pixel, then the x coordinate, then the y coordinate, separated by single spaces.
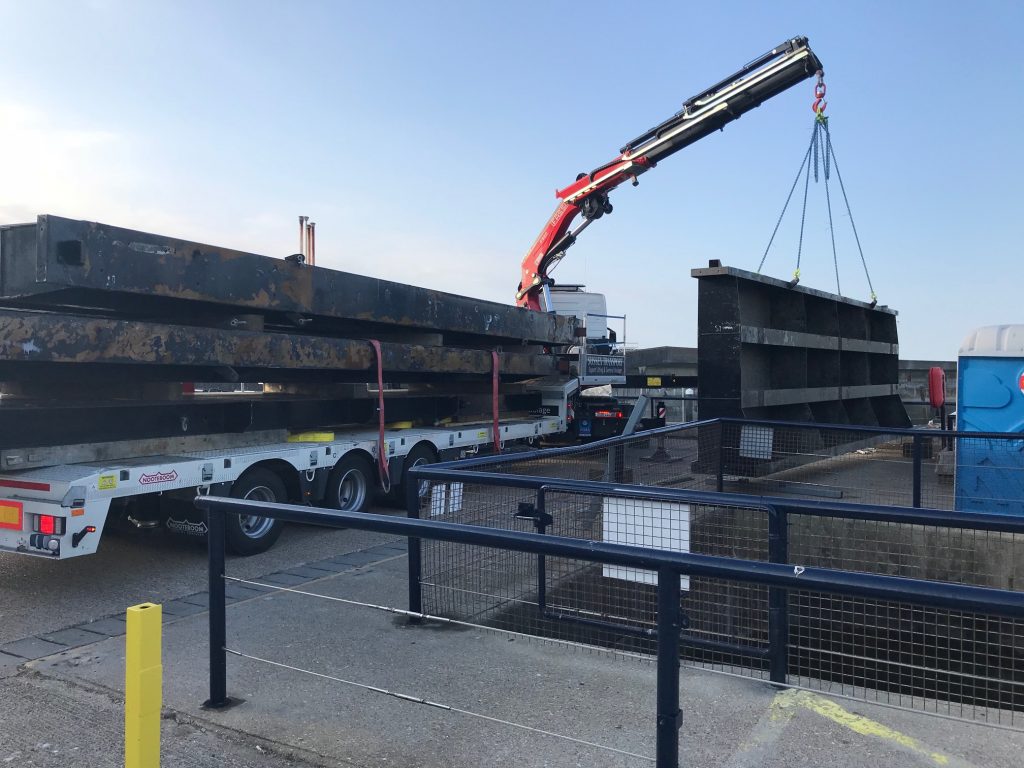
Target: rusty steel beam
pixel 63 263
pixel 31 340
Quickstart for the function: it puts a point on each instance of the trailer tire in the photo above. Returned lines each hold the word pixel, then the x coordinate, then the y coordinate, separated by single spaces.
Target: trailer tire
pixel 420 454
pixel 350 484
pixel 250 535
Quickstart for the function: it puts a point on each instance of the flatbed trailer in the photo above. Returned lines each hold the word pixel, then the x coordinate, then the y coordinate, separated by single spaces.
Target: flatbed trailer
pixel 60 511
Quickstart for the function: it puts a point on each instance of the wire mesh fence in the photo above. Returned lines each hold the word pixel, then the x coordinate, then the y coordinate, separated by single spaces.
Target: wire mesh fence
pixel 930 468
pixel 953 663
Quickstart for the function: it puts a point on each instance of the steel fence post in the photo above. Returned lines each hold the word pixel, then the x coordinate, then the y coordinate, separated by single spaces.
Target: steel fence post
pixel 215 541
pixel 918 450
pixel 778 598
pixel 670 717
pixel 720 480
pixel 542 575
pixel 415 556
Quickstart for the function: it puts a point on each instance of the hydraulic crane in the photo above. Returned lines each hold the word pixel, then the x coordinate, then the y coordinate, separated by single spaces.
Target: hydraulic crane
pixel 764 77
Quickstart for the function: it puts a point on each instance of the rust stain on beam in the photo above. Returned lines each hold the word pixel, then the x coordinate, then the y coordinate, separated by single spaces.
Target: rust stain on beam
pixel 36 337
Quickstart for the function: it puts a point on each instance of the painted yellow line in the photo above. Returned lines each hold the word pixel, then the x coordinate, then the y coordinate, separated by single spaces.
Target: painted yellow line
pixel 786 702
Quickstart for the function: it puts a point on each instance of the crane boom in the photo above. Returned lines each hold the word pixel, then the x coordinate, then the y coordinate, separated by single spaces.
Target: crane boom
pixel 764 77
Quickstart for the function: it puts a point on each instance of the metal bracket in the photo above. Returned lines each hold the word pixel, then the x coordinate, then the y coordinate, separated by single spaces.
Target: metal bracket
pixel 529 511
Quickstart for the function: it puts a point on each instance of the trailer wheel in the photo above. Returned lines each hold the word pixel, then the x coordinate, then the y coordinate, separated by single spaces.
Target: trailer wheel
pixel 349 484
pixel 418 456
pixel 252 534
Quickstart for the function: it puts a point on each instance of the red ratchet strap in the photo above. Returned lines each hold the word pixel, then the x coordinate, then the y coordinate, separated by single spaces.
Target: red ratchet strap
pixel 382 449
pixel 495 362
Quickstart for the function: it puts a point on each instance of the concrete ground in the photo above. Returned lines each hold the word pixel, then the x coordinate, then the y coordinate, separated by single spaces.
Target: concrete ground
pixel 69 699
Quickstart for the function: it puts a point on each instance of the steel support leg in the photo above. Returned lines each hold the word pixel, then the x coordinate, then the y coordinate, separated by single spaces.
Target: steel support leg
pixel 918 451
pixel 415 556
pixel 215 540
pixel 670 718
pixel 778 600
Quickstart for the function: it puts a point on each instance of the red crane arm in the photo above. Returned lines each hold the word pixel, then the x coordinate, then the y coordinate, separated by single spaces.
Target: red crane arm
pixel 766 76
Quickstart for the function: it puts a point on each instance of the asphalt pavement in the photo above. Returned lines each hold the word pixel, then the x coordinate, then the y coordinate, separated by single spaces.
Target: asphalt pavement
pixel 38 595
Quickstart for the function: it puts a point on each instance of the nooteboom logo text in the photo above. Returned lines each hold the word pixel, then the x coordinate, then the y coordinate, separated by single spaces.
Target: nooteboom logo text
pixel 158 477
pixel 187 527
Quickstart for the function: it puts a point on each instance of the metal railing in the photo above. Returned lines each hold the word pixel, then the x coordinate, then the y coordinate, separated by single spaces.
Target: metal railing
pixel 663 571
pixel 671 488
pixel 977 471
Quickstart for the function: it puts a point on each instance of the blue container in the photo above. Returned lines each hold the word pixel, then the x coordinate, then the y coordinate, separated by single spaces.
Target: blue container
pixel 990 398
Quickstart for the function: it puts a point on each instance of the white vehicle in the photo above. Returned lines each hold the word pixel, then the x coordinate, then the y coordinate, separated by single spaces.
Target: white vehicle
pixel 60 511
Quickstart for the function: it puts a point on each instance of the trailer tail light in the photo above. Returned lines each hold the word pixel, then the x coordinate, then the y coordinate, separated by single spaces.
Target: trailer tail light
pixel 76 538
pixel 48 525
pixel 607 414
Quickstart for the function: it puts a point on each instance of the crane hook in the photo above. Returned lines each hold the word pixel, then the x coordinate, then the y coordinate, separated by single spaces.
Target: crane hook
pixel 819 95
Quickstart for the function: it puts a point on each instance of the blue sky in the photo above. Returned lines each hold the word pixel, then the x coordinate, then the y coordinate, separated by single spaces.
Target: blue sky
pixel 426 140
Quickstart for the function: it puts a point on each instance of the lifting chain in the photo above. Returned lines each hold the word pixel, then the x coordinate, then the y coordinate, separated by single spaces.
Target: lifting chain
pixel 819 156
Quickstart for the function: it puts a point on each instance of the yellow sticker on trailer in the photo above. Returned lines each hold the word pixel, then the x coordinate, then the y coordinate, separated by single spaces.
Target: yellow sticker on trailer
pixel 654 381
pixel 107 482
pixel 482 434
pixel 10 514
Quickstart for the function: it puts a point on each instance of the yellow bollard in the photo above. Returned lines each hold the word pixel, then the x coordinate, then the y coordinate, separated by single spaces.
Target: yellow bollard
pixel 143 687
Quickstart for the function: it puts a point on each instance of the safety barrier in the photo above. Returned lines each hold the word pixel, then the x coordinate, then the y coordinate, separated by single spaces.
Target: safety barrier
pixel 971 471
pixel 658 571
pixel 667 489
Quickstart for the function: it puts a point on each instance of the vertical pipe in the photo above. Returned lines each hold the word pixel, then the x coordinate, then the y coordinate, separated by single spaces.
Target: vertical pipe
pixel 619 462
pixel 778 599
pixel 720 477
pixel 312 243
pixel 917 470
pixel 218 614
pixel 542 574
pixel 546 293
pixel 302 234
pixel 143 687
pixel 412 509
pixel 670 718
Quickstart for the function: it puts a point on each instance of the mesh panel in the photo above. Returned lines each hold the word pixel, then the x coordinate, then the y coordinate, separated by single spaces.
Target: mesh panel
pixel 953 663
pixel 948 662
pixel 609 606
